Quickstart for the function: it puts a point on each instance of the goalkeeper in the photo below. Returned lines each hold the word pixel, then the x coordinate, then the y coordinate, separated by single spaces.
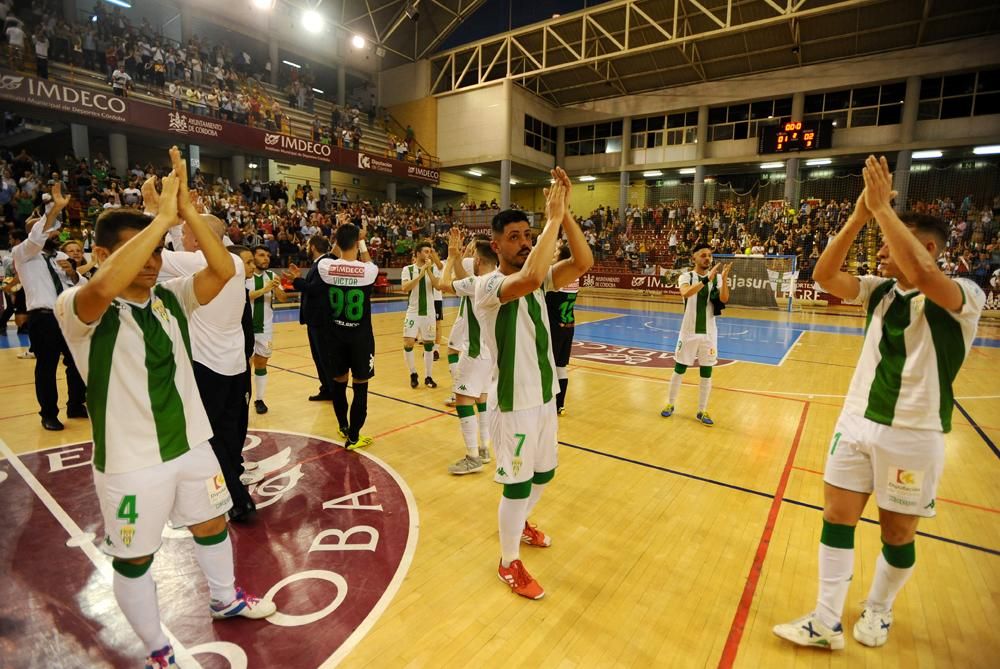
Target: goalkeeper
pixel 705 294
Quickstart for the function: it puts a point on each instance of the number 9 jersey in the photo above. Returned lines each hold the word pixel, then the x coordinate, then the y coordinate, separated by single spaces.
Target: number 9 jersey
pixel 349 292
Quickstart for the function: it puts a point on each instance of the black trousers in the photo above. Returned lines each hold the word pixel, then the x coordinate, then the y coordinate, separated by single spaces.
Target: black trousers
pixel 48 344
pixel 226 402
pixel 320 357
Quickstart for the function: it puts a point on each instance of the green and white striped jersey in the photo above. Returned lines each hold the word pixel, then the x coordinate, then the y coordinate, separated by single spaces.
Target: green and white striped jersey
pixel 263 314
pixel 911 355
pixel 471 342
pixel 699 316
pixel 519 339
pixel 458 337
pixel 422 296
pixel 141 392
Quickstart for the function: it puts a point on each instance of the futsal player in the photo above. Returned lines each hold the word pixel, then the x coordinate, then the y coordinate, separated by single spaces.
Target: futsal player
pixel 264 287
pixel 152 460
pixel 512 303
pixel 419 321
pixel 889 438
pixel 457 334
pixel 474 368
pixel 438 272
pixel 562 318
pixel 699 337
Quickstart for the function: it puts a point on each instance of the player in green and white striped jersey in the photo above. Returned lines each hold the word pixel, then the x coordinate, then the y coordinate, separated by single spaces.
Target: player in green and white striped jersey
pixel 510 305
pixel 419 321
pixel 472 375
pixel 152 460
pixel 889 439
pixel 264 287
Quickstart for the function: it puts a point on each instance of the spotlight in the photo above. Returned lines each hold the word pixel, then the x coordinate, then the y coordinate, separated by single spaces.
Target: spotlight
pixel 358 42
pixel 262 4
pixel 312 21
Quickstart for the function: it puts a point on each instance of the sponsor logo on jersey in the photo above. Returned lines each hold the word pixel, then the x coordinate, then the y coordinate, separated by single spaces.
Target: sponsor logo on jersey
pixel 337 269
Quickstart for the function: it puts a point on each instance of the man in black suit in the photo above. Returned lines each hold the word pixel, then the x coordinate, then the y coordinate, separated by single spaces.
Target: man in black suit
pixel 314 311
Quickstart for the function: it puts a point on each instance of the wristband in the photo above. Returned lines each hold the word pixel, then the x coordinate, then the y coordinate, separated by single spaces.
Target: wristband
pixel 362 247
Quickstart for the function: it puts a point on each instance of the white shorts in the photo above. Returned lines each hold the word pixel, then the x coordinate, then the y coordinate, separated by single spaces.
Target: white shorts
pixel 136 505
pixel 262 345
pixel 423 328
pixel 524 441
pixel 701 346
pixel 473 376
pixel 901 465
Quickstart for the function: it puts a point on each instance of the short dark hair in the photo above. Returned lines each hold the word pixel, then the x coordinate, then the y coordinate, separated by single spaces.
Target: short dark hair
pixel 237 249
pixel 422 244
pixel 564 252
pixel 261 247
pixel 485 252
pixel 320 243
pixel 928 225
pixel 506 217
pixel 107 231
pixel 347 236
pixel 699 247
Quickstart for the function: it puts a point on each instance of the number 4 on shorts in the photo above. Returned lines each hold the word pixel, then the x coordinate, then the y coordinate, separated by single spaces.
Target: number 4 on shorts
pixel 126 510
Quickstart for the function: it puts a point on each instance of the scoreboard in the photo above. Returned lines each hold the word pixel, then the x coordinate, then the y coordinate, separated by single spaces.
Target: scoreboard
pixel 790 136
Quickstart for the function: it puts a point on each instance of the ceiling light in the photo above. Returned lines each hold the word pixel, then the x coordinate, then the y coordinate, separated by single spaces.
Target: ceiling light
pixel 475 173
pixel 263 4
pixel 312 21
pixel 986 150
pixel 818 161
pixel 513 181
pixel 653 173
pixel 316 90
pixel 291 64
pixel 835 124
pixel 358 42
pixel 252 166
pixel 923 155
pixel 587 178
pixel 686 170
pixel 771 166
pixel 121 3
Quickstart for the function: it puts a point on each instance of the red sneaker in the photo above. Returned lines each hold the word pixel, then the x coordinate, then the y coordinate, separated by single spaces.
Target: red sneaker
pixel 533 536
pixel 520 581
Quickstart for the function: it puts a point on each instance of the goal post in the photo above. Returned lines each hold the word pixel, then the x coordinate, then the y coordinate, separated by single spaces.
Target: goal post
pixel 766 282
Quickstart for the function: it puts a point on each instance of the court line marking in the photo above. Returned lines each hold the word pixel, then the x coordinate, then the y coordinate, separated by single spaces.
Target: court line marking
pixel 101 564
pixel 732 646
pixel 975 426
pixel 791 346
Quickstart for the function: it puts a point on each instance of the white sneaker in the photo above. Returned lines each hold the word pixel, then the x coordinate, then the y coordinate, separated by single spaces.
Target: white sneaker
pixel 467 465
pixel 25 355
pixel 872 628
pixel 810 631
pixel 484 454
pixel 244 606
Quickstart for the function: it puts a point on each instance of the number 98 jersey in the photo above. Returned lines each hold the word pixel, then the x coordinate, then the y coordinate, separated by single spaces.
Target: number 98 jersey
pixel 350 294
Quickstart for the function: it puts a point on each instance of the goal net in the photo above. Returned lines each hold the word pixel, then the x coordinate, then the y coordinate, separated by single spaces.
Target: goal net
pixel 766 282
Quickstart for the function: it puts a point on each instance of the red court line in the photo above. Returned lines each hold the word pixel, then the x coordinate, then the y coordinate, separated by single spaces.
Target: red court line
pixel 742 611
pixel 940 499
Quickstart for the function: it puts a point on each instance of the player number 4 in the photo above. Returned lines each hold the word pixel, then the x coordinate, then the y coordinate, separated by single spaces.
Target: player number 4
pixel 126 510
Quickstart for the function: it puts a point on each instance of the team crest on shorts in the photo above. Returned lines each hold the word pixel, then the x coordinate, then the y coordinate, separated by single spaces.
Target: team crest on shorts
pixel 335 533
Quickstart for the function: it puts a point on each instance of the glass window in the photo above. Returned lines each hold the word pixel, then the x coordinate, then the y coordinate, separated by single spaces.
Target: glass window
pixel 722 132
pixel 989 80
pixel 527 122
pixel 603 130
pixel 600 145
pixel 929 109
pixel 573 149
pixel 814 104
pixel 930 88
pixel 572 134
pixel 839 118
pixel 655 123
pixel 889 114
pixel 783 107
pixel 655 139
pixel 586 132
pixel 638 141
pixel 614 145
pixel 739 113
pixel 690 135
pixel 987 103
pixel 959 84
pixel 716 115
pixel 638 125
pixel 740 130
pixel 762 109
pixel 691 118
pixel 863 117
pixel 675 121
pixel 527 138
pixel 893 94
pixel 865 97
pixel 837 100
pixel 587 147
pixel 616 128
pixel 956 107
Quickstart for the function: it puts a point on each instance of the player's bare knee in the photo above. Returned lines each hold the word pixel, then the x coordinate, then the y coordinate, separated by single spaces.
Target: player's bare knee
pixel 209 527
pixel 897 528
pixel 341 379
pixel 409 343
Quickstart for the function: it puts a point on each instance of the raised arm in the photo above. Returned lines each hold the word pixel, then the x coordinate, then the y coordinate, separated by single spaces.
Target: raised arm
pixel 120 268
pixel 581 257
pixel 724 287
pixel 907 250
pixel 209 281
pixel 409 285
pixel 38 233
pixel 532 274
pixel 828 272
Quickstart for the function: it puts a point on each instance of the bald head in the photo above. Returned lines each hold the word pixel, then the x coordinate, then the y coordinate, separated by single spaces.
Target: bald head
pixel 188 238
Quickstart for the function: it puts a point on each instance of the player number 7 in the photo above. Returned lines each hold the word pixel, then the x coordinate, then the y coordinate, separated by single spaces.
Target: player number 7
pixel 520 444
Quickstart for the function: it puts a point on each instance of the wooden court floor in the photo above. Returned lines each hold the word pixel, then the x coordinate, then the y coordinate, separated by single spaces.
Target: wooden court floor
pixel 674 545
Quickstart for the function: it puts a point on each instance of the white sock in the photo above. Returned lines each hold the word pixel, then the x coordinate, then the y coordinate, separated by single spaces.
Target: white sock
pixel 675 387
pixel 410 362
pixel 511 515
pixel 836 567
pixel 429 362
pixel 704 388
pixel 136 598
pixel 216 562
pixel 484 428
pixel 260 385
pixel 536 494
pixel 887 583
pixel 468 426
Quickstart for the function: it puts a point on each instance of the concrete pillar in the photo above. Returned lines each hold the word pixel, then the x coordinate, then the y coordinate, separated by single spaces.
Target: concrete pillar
pixel 698 197
pixel 623 179
pixel 118 146
pixel 793 185
pixel 626 157
pixel 700 149
pixel 69 10
pixel 186 31
pixel 798 106
pixel 390 191
pixel 907 126
pixel 237 169
pixel 325 178
pixel 81 140
pixel 341 86
pixel 428 194
pixel 901 179
pixel 505 184
pixel 272 55
pixel 561 147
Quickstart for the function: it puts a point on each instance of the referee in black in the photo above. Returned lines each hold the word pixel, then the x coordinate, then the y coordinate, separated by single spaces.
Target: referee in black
pixel 314 313
pixel 43 278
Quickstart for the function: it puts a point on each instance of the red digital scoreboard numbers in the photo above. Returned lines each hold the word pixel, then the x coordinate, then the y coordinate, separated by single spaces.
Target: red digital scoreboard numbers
pixel 795 136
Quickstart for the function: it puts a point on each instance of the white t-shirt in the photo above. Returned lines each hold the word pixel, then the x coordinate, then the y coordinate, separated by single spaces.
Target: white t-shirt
pixel 217 327
pixel 141 392
pixel 15 36
pixel 519 339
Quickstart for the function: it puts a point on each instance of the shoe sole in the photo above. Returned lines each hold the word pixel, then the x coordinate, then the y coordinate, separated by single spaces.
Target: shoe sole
pixel 464 472
pixel 529 543
pixel 870 641
pixel 534 599
pixel 836 644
